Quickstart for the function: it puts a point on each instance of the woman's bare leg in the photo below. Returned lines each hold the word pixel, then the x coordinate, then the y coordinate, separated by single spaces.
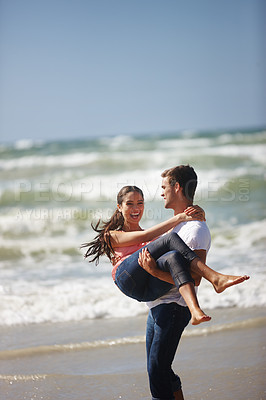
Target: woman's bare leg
pixel 219 281
pixel 188 293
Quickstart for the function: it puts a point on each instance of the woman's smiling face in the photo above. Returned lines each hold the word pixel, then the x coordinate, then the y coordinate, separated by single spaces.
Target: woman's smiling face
pixel 132 207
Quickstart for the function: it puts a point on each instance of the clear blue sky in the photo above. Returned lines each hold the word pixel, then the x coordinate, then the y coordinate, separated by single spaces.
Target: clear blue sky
pixel 80 68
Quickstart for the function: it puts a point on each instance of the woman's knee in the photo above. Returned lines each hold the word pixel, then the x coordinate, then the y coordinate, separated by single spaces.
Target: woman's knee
pixel 172 259
pixel 172 235
pixel 176 258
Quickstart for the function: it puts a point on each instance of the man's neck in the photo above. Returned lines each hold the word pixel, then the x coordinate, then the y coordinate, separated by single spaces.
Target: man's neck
pixel 180 206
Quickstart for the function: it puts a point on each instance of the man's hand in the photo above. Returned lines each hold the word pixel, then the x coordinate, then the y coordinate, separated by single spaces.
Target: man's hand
pixel 147 262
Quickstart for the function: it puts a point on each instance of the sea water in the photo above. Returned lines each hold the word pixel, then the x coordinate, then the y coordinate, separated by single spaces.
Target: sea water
pixel 51 192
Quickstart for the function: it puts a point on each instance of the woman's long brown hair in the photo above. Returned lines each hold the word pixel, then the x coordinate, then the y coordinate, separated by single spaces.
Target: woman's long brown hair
pixel 101 244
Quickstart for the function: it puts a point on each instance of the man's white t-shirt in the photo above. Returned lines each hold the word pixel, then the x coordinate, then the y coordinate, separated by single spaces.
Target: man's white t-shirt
pixel 197 236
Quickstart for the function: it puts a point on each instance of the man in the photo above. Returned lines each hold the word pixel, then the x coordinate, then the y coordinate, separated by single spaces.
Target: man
pixel 169 315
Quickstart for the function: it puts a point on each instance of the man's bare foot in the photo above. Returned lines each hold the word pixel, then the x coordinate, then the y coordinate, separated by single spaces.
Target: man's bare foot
pixel 199 317
pixel 225 281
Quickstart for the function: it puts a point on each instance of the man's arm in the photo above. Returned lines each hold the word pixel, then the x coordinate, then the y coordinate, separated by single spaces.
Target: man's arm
pixel 147 262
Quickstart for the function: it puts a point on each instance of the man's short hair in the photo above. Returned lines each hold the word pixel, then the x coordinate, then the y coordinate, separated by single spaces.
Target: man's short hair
pixel 185 176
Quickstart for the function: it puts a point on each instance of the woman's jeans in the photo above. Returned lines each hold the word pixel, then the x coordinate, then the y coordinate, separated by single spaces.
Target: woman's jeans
pixel 171 254
pixel 165 325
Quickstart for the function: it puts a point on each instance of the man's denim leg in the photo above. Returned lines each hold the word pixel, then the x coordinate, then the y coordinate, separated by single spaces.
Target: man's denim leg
pixel 165 325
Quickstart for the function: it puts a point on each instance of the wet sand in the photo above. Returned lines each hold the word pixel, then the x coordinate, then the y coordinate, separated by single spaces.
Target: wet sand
pixel 219 364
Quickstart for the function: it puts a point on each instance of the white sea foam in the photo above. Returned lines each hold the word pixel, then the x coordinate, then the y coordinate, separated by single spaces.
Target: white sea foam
pixel 74 300
pixel 26 144
pixel 171 151
pixel 239 151
pixel 56 289
pixel 24 302
pixel 61 189
pixel 28 162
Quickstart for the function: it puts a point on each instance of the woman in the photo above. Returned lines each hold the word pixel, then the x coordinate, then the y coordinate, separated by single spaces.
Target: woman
pixel 126 244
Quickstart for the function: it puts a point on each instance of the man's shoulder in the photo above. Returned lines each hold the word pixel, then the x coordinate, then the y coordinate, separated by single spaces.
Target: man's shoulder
pixel 195 234
pixel 195 226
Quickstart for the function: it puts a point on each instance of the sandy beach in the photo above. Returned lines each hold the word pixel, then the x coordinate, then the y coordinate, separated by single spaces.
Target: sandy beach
pixel 86 361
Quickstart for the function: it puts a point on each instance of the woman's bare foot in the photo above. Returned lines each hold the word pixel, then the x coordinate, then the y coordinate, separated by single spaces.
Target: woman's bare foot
pixel 198 317
pixel 223 282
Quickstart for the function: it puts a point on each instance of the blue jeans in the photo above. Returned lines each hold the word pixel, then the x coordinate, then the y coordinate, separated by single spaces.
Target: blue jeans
pixel 165 325
pixel 171 254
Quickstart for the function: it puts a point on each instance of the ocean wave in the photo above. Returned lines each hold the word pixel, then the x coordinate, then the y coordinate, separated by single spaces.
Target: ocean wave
pixel 61 230
pixel 240 237
pixel 24 378
pixel 65 190
pixel 120 341
pixel 49 161
pixel 158 150
pixel 23 144
pixel 54 294
pixel 61 348
pixel 249 323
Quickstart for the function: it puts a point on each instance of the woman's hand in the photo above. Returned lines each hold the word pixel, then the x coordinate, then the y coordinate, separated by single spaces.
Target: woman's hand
pixel 196 213
pixel 147 262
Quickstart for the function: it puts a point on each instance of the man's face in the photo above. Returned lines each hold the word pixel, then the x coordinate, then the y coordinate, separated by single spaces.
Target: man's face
pixel 168 193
